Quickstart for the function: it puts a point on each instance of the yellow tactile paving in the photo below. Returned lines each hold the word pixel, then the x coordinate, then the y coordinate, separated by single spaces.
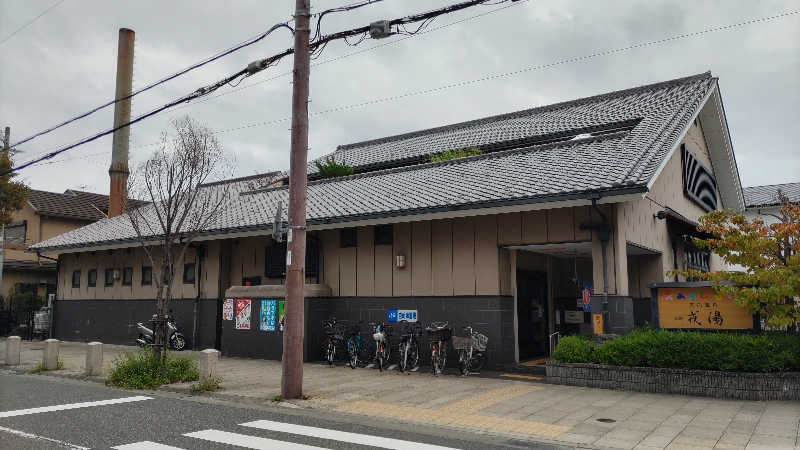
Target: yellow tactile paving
pixel 534 362
pixel 520 376
pixel 475 403
pixel 462 413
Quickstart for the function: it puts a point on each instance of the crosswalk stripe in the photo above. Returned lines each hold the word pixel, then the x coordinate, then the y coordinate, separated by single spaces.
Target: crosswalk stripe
pixel 342 436
pixel 146 445
pixel 42 409
pixel 243 440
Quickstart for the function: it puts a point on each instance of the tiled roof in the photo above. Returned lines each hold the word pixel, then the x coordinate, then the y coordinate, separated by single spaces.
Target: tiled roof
pixel 71 204
pixel 609 164
pixel 755 196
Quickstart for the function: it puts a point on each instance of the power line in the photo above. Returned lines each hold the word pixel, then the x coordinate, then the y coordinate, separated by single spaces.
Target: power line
pixel 251 69
pixel 518 71
pixel 3 41
pixel 161 81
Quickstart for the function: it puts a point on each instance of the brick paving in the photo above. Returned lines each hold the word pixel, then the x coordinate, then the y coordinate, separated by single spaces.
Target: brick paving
pixel 515 407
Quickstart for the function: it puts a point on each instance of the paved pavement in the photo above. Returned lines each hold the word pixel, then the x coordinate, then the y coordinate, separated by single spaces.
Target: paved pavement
pixel 49 412
pixel 506 406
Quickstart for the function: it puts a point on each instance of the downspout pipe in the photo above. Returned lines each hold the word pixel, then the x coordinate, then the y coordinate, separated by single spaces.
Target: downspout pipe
pixel 200 254
pixel 603 233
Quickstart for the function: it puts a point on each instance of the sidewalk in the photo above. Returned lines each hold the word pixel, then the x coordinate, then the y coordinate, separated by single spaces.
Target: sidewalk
pixel 511 407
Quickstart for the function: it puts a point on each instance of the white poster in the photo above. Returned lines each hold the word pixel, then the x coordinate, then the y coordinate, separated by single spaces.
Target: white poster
pixel 243 313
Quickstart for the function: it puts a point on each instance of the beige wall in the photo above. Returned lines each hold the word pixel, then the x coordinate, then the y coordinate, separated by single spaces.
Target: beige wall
pixel 136 259
pixel 11 277
pixel 637 224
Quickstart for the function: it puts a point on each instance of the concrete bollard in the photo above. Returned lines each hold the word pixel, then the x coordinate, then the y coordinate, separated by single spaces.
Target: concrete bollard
pixel 207 365
pixel 50 354
pixel 94 359
pixel 13 346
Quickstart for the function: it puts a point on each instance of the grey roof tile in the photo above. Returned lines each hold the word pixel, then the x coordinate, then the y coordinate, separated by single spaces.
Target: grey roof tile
pixel 755 196
pixel 615 162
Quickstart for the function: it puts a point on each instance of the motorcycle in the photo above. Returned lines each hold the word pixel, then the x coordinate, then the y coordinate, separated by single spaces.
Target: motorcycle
pixel 175 338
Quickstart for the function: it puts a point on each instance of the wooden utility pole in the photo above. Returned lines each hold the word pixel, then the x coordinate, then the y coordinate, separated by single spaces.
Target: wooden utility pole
pixel 7 151
pixel 293 334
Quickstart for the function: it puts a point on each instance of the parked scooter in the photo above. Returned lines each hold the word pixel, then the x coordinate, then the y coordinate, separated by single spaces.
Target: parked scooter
pixel 175 338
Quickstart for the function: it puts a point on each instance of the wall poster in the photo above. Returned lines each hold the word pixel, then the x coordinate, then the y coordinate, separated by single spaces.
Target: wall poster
pixel 266 320
pixel 243 313
pixel 227 309
pixel 699 307
pixel 281 314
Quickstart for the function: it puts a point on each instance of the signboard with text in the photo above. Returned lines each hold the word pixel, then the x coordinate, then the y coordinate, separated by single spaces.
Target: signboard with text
pixel 700 308
pixel 399 315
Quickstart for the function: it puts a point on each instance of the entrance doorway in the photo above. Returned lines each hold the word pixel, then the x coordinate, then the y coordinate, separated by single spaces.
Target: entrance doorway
pixel 532 314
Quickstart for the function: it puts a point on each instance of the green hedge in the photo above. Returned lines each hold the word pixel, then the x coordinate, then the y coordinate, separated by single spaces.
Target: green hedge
pixel 731 352
pixel 144 369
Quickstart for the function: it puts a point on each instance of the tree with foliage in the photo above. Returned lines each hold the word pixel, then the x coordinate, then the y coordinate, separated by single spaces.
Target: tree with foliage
pixel 448 155
pixel 179 204
pixel 12 193
pixel 770 255
pixel 329 168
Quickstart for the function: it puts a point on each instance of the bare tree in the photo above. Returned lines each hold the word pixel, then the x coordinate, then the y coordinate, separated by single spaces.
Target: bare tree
pixel 180 206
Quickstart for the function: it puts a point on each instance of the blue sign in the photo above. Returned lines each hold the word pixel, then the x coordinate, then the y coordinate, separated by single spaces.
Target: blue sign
pixel 268 313
pixel 399 315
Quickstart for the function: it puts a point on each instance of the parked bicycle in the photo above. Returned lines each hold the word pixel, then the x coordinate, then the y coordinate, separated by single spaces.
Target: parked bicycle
pixel 408 350
pixel 381 335
pixel 358 349
pixel 438 335
pixel 335 332
pixel 471 350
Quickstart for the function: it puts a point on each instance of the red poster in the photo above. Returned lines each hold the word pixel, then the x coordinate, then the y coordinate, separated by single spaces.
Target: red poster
pixel 242 313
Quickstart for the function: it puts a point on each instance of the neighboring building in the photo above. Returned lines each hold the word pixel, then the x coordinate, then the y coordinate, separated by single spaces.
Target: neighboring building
pixel 505 241
pixel 763 202
pixel 45 215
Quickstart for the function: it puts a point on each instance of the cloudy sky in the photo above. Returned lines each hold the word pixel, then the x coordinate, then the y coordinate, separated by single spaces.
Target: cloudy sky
pixel 64 63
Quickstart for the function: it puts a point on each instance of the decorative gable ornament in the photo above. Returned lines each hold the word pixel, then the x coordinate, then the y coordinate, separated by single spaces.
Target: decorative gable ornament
pixel 699 184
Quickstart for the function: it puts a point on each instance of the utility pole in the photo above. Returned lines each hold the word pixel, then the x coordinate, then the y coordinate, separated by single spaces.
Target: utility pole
pixel 7 152
pixel 293 334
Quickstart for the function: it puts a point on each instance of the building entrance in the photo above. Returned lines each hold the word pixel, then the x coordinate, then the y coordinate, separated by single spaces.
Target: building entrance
pixel 532 314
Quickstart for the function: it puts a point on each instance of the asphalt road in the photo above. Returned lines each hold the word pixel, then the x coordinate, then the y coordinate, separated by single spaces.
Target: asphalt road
pixel 39 412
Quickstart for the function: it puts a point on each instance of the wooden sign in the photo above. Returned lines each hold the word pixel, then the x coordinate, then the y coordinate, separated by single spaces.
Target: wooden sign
pixel 597 323
pixel 698 307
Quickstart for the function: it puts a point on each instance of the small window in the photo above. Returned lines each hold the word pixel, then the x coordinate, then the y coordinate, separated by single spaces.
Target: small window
pixel 76 278
pixel 348 238
pixel 251 281
pixel 147 275
pixel 188 273
pixel 92 275
pixel 127 276
pixel 383 235
pixel 312 257
pixel 109 277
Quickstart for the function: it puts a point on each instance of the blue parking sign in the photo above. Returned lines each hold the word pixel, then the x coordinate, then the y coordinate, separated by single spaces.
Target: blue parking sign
pixel 391 315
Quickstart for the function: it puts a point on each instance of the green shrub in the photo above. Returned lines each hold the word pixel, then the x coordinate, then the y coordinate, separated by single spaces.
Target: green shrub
pixel 572 349
pixel 145 370
pixel 730 352
pixel 455 154
pixel 331 169
pixel 41 368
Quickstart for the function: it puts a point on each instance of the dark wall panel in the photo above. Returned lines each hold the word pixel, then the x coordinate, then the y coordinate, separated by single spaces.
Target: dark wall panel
pixel 114 321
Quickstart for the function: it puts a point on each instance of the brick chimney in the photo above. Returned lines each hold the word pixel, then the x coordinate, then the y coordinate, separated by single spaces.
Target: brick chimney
pixel 118 171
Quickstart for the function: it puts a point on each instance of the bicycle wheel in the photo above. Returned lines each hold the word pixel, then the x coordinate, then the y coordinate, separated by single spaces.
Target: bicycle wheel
pixel 412 361
pixel 476 363
pixel 352 351
pixel 331 352
pixel 402 351
pixel 463 362
pixel 442 356
pixel 381 356
pixel 434 357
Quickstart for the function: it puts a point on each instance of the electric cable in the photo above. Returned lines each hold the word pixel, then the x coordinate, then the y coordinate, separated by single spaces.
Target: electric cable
pixel 28 23
pixel 161 81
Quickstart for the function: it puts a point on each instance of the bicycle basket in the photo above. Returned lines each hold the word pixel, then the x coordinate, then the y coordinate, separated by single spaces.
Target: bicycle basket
pixel 479 341
pixel 439 334
pixel 461 343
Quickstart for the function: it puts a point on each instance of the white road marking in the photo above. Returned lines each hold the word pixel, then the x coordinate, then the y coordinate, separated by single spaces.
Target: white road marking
pixel 243 440
pixel 342 436
pixel 43 409
pixel 146 445
pixel 42 438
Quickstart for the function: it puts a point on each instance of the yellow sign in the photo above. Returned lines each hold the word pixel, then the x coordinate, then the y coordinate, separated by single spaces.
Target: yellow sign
pixel 597 323
pixel 698 307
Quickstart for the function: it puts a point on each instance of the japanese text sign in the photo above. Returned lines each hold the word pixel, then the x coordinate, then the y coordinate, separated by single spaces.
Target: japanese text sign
pixel 269 310
pixel 699 307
